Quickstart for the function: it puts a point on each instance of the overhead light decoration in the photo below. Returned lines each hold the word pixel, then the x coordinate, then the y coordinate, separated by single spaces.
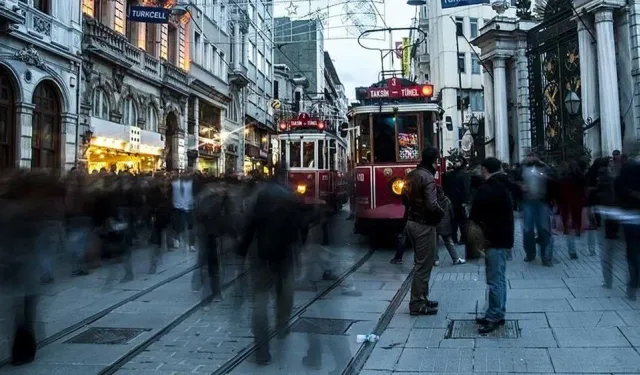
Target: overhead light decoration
pixel 416 3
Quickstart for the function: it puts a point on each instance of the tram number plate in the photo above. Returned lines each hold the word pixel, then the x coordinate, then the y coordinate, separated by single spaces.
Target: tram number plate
pixel 360 177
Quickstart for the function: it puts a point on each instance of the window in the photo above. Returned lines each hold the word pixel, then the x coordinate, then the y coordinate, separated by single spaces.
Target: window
pixel 152 119
pixel 476 100
pixel 206 57
pixel 459 26
pixel 276 89
pixel 384 138
pixel 151 39
pixel 261 63
pixel 252 13
pixel 473 24
pixel 215 64
pixel 42 5
pixel 295 153
pixel 196 48
pixel 407 137
pixel 172 47
pixel 132 32
pixel 100 104
pixel 222 63
pixel 308 155
pixel 475 64
pixel 364 146
pixel 208 8
pixel 461 62
pixel 321 152
pixel 252 52
pixel 129 113
pixel 119 17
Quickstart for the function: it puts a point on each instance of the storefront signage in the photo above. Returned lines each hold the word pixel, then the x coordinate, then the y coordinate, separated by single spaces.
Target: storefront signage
pixel 302 121
pixel 460 3
pixel 148 14
pixel 395 90
pixel 406 57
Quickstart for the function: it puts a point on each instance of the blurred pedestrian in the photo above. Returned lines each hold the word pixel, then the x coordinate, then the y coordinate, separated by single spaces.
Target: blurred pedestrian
pixel 445 229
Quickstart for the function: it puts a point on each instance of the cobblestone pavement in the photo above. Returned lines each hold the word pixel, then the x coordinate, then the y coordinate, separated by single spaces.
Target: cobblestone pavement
pixel 70 300
pixel 568 322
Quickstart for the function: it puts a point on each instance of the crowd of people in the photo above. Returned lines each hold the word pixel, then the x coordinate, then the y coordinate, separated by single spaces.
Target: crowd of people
pixel 475 207
pixel 104 217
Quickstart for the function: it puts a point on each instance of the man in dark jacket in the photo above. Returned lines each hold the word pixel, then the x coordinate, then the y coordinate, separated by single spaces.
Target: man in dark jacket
pixel 627 187
pixel 423 214
pixel 456 187
pixel 275 222
pixel 492 210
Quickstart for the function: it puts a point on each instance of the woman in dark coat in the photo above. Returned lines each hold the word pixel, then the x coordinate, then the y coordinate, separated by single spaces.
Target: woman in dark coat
pixel 445 229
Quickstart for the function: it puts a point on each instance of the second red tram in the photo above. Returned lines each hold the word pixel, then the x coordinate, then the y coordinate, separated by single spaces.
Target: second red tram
pixel 396 120
pixel 316 159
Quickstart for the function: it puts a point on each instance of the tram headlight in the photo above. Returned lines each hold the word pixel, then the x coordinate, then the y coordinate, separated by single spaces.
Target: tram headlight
pixel 397 186
pixel 301 189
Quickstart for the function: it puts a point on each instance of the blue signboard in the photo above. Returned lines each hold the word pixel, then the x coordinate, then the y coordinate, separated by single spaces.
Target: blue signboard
pixel 149 14
pixel 461 3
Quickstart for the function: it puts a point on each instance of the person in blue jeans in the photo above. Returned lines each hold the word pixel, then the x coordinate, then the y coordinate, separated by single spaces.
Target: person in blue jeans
pixel 492 211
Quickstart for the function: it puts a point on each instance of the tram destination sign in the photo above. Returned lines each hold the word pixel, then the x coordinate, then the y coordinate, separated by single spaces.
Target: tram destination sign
pixel 423 91
pixel 303 121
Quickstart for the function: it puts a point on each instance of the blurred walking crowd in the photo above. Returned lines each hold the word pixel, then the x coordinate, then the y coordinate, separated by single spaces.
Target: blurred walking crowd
pixel 82 221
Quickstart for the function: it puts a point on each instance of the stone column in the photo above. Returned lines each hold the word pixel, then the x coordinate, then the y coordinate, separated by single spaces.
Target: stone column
pixel 589 85
pixel 608 81
pixel 68 140
pixel 500 107
pixel 237 45
pixel 625 77
pixel 489 118
pixel 523 136
pixel 24 121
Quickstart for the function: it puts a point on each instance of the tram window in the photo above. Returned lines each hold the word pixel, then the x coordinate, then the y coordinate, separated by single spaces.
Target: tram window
pixel 364 148
pixel 408 141
pixel 294 154
pixel 384 133
pixel 308 155
pixel 321 152
pixel 332 155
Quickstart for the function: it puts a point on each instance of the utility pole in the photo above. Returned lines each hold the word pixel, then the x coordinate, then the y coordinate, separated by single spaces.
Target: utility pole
pixel 459 96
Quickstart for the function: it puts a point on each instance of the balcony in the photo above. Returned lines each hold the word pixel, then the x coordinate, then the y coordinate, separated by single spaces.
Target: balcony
pixel 239 77
pixel 112 46
pixel 10 15
pixel 175 78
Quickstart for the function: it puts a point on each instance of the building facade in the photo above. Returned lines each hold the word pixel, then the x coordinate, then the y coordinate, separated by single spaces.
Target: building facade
pixel 40 66
pixel 134 101
pixel 452 64
pixel 562 86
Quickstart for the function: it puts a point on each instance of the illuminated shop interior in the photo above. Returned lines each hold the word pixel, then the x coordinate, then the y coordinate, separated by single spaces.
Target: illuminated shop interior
pixel 106 152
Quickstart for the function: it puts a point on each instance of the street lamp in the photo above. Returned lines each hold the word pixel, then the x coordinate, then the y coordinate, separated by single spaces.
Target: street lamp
pixel 417 3
pixel 572 103
pixel 474 125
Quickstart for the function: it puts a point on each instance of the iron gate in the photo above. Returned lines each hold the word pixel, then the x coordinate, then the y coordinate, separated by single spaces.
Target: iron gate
pixel 554 71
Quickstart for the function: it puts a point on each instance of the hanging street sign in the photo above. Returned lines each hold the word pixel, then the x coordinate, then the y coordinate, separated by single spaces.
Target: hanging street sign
pixel 148 14
pixel 446 4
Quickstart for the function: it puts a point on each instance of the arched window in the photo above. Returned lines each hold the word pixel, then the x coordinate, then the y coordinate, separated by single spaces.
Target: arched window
pixel 129 115
pixel 152 119
pixel 232 111
pixel 100 104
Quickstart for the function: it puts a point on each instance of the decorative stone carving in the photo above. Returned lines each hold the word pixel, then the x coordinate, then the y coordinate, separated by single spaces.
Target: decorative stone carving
pixel 41 25
pixel 118 78
pixel 87 69
pixel 29 55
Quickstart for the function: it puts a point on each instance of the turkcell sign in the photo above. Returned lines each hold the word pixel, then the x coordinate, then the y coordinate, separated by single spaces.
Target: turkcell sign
pixel 149 14
pixel 461 3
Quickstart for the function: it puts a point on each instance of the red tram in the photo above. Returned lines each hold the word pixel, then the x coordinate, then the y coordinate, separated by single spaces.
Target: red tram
pixel 317 160
pixel 396 120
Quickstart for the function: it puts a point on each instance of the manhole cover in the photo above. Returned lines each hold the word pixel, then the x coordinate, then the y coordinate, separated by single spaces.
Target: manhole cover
pixel 322 326
pixel 468 329
pixel 107 336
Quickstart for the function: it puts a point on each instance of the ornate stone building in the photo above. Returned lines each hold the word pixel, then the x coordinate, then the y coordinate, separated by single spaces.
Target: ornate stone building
pixel 39 70
pixel 564 87
pixel 135 89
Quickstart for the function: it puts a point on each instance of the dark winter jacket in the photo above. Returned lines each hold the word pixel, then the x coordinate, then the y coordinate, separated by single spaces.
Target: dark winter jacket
pixel 421 197
pixel 492 210
pixel 445 228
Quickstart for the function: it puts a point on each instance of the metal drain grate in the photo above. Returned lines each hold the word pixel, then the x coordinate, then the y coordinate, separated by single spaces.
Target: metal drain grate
pixel 322 326
pixel 107 336
pixel 468 329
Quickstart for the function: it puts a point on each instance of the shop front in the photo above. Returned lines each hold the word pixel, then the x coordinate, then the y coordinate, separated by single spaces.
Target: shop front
pixel 118 148
pixel 256 161
pixel 209 156
pixel 231 158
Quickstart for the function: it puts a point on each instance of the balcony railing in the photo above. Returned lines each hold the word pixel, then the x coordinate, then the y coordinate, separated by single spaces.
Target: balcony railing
pixel 239 76
pixel 174 75
pixel 102 40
